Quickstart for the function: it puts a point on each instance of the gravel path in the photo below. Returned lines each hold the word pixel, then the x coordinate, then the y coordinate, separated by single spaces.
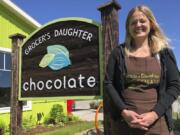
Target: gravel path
pixel 83 111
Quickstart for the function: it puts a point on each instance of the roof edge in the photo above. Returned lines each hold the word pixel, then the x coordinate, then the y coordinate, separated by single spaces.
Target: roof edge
pixel 19 12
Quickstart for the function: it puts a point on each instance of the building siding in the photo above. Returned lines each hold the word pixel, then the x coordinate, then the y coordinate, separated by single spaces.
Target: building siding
pixel 10 24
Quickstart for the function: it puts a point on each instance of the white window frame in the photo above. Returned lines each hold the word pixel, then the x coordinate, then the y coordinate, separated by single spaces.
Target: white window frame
pixel 25 108
pixel 7 109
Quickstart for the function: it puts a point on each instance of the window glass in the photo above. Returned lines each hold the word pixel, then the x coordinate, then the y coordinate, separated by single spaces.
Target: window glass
pixel 8 61
pixel 6 81
pixel 5 85
pixel 1 60
pixel 4 97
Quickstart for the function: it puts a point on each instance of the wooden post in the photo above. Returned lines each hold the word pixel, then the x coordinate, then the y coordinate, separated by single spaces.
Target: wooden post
pixel 110 27
pixel 16 106
pixel 110 31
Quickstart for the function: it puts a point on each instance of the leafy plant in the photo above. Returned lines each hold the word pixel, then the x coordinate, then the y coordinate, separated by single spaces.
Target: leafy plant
pixel 56 115
pixel 94 104
pixel 39 117
pixel 2 127
pixel 72 118
pixel 28 122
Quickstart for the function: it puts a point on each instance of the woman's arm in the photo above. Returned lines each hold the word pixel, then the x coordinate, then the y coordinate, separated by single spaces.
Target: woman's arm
pixel 109 80
pixel 172 86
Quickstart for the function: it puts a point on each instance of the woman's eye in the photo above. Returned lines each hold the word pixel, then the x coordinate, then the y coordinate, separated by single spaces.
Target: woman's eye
pixel 138 21
pixel 142 21
pixel 133 22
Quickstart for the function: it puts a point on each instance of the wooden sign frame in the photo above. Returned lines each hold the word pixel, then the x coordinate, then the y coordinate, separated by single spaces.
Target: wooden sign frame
pixel 57 49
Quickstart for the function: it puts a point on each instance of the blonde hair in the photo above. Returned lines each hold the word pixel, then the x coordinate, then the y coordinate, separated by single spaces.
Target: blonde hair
pixel 156 38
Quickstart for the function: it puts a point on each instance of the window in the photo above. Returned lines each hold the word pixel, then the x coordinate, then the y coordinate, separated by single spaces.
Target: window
pixel 5 82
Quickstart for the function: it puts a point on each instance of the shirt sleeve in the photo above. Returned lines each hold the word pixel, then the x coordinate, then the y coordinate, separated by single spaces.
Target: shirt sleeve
pixel 172 85
pixel 109 81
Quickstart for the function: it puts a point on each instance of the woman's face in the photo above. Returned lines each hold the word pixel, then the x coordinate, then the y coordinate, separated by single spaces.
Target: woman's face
pixel 139 25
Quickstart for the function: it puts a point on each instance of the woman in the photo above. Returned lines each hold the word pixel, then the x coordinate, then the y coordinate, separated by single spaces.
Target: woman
pixel 142 79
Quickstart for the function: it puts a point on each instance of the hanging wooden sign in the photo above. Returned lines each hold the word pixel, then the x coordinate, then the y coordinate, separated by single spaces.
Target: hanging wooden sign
pixel 62 60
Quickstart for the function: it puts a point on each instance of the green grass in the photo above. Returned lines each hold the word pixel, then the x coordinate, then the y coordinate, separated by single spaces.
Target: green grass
pixel 71 129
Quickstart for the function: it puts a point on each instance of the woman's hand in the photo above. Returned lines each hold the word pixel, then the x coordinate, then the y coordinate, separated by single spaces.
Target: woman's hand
pixel 147 119
pixel 131 116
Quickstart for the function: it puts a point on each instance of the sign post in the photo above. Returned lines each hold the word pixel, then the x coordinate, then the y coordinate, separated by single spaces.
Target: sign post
pixel 16 105
pixel 110 30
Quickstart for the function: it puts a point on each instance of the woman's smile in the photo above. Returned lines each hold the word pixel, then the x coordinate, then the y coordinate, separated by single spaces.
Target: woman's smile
pixel 139 25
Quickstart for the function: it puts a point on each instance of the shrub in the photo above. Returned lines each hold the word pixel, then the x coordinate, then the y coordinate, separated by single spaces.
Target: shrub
pixel 48 120
pixel 28 122
pixel 2 127
pixel 56 110
pixel 94 104
pixel 72 118
pixel 56 115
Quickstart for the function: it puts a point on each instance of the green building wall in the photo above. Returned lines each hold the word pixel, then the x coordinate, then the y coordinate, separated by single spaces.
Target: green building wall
pixel 11 24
